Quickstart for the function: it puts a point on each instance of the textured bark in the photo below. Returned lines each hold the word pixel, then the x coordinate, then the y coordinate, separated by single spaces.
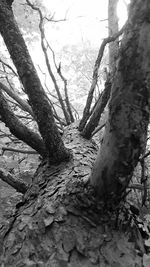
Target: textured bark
pixel 113 29
pixel 59 223
pixel 125 134
pixel 32 85
pixel 18 129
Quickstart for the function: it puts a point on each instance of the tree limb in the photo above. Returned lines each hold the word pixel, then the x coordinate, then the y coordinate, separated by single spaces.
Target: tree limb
pixel 95 117
pixel 58 68
pixel 43 114
pixel 18 129
pixel 47 61
pixel 86 112
pixel 16 183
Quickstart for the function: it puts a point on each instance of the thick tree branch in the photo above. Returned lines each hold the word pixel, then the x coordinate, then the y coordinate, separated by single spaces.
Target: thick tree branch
pixel 18 129
pixel 97 112
pixel 42 110
pixel 86 112
pixel 16 183
pixel 100 127
pixel 66 94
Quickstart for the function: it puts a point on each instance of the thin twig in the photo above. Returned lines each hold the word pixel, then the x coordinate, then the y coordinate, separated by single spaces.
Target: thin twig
pixel 41 28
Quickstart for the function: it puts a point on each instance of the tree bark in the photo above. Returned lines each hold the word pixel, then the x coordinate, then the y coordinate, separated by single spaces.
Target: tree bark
pixel 126 129
pixel 60 223
pixel 32 85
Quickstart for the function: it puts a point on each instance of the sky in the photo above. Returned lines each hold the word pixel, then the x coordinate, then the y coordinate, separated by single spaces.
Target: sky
pixel 78 7
pixel 83 20
pixel 86 20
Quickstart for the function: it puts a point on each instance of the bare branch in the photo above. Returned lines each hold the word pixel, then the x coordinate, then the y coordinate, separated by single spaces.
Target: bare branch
pixel 98 110
pixel 100 127
pixel 66 115
pixel 66 93
pixel 86 112
pixel 55 20
pixel 18 129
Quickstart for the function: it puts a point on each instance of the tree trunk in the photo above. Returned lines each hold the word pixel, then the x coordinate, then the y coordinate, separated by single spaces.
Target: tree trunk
pixel 59 222
pixel 113 29
pixel 126 129
pixel 42 110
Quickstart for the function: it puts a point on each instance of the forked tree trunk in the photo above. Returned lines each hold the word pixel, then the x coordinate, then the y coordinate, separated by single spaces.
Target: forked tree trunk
pixel 126 129
pixel 59 223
